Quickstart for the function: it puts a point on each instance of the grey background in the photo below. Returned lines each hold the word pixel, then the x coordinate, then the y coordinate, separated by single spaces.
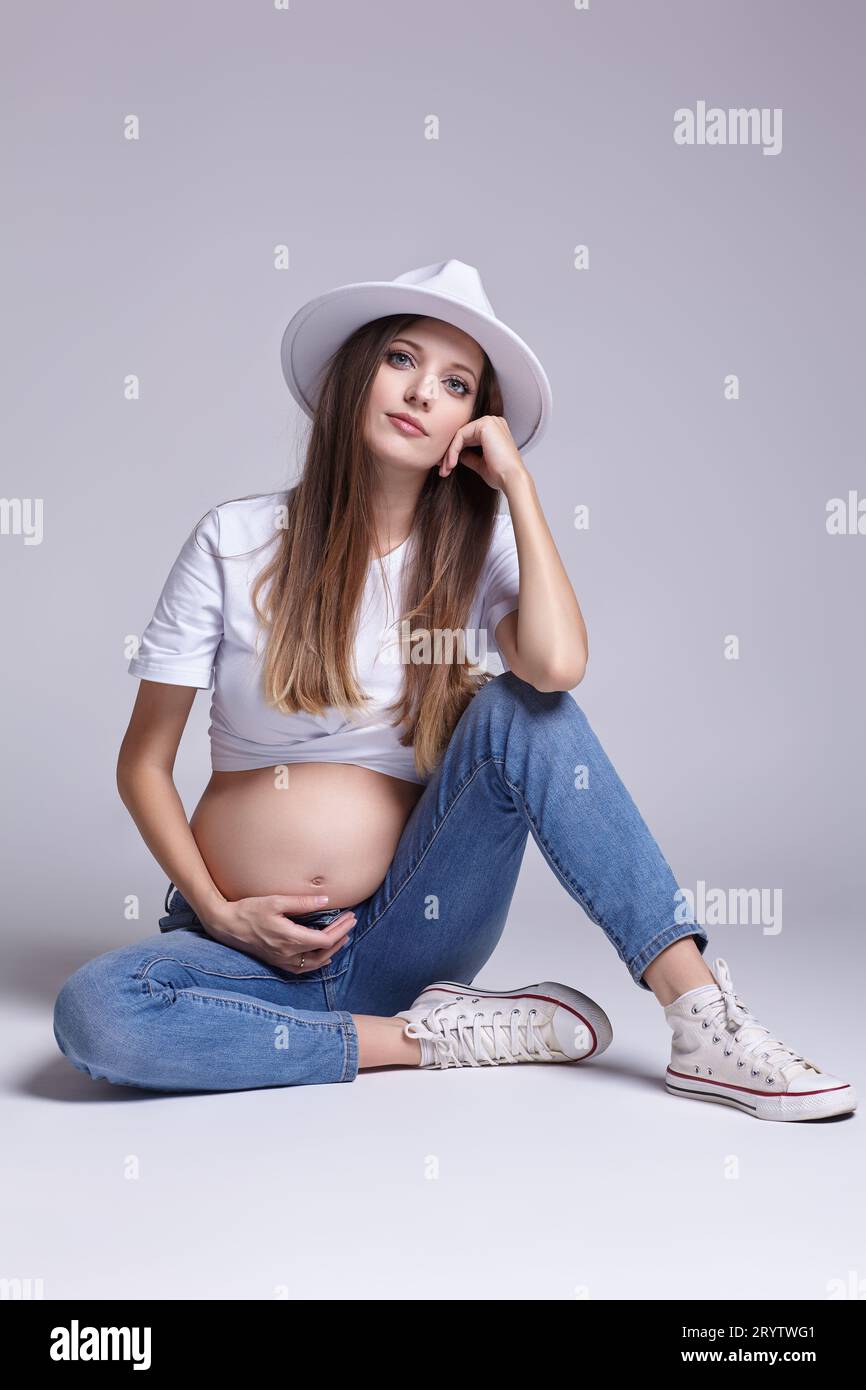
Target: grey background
pixel 155 257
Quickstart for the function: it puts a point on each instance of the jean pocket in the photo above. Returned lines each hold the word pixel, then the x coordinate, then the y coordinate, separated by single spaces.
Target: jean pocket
pixel 322 917
pixel 178 914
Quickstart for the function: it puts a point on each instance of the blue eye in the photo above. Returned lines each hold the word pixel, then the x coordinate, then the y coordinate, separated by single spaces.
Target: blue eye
pixel 398 352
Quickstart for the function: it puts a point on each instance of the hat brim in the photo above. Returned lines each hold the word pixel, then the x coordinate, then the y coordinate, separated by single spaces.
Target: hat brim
pixel 323 324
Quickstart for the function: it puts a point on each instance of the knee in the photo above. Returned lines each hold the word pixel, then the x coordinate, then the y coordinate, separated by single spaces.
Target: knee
pixel 92 1015
pixel 512 697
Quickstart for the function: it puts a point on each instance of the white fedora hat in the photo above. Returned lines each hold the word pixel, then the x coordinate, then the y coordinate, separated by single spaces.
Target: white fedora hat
pixel 449 290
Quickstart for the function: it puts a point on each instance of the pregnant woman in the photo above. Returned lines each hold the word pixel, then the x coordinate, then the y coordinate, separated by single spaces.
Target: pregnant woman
pixel 349 867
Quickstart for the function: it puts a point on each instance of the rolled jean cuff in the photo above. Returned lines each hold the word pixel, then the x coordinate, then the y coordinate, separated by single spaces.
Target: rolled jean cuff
pixel 653 948
pixel 350 1040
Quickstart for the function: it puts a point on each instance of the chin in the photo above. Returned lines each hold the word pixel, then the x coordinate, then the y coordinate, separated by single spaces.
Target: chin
pixel 413 454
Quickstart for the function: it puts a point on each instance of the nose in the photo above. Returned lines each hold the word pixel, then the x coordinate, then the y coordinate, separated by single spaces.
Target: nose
pixel 425 389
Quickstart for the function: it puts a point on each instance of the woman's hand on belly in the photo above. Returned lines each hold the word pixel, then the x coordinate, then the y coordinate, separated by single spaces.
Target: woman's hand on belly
pixel 262 927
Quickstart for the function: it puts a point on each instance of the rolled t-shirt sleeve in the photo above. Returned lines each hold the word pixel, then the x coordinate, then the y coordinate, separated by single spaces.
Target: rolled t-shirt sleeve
pixel 179 644
pixel 500 579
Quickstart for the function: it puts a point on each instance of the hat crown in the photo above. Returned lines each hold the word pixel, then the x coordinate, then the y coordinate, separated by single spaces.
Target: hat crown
pixel 453 278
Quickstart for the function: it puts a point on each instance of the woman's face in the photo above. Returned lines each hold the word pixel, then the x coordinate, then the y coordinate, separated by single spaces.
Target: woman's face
pixel 432 377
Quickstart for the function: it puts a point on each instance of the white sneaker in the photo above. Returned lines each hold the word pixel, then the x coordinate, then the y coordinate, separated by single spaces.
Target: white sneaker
pixel 468 1026
pixel 721 1052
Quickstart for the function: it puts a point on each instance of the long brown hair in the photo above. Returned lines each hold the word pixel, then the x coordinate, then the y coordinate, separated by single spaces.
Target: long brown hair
pixel 317 574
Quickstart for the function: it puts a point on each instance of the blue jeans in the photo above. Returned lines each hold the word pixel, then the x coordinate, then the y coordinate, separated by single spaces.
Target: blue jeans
pixel 180 1011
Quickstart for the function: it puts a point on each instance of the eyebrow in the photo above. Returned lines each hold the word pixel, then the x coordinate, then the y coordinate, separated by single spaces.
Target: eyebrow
pixel 417 346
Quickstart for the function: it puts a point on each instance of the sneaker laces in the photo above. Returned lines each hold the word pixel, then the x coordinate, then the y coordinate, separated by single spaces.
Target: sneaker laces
pixel 733 1016
pixel 482 1043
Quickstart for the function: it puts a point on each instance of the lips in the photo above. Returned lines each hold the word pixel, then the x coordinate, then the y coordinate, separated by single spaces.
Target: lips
pixel 406 425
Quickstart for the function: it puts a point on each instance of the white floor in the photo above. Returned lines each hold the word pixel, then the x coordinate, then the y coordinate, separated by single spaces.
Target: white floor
pixel 526 1182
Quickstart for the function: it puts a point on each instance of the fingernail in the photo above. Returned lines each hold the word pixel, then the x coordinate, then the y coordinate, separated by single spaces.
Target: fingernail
pixel 320 898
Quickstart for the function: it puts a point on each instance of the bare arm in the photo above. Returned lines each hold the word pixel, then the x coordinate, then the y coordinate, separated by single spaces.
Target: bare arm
pixel 546 641
pixel 258 926
pixel 145 783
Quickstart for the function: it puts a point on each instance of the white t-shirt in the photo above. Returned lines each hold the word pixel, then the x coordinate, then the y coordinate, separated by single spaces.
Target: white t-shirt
pixel 204 631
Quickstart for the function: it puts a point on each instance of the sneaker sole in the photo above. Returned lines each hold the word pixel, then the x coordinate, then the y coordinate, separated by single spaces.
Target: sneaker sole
pixel 586 1009
pixel 816 1106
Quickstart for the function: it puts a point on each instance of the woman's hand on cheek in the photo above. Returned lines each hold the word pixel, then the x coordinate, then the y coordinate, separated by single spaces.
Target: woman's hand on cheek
pixel 485 445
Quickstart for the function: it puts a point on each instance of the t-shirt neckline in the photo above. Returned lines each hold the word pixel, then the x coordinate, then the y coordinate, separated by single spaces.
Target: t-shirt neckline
pixel 390 553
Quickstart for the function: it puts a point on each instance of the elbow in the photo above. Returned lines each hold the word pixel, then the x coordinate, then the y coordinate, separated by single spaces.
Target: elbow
pixel 122 778
pixel 553 676
pixel 125 767
pixel 562 677
pixel 552 684
pixel 129 772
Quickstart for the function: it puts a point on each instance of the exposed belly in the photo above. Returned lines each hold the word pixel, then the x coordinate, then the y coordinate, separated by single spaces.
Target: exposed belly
pixel 316 828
